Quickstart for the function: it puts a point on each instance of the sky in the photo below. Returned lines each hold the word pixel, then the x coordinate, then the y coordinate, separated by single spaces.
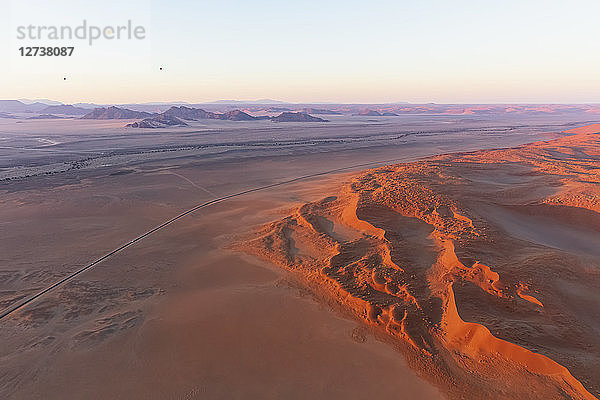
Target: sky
pixel 460 51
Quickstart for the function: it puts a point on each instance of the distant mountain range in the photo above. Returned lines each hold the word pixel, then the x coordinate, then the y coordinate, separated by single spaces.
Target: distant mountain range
pixel 18 106
pixel 43 101
pixel 278 109
pixel 296 117
pixel 65 109
pixel 38 105
pixel 240 110
pixel 373 113
pixel 191 114
pixel 87 105
pixel 259 101
pixel 320 111
pixel 176 115
pixel 194 114
pixel 15 106
pixel 115 113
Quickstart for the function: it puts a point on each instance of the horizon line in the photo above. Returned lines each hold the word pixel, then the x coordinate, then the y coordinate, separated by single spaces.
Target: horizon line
pixel 282 102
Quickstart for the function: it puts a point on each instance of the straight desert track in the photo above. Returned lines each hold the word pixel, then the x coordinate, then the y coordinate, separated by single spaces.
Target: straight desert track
pixel 125 245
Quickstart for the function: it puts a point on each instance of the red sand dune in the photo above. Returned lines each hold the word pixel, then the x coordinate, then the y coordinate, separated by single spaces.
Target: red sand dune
pixel 481 267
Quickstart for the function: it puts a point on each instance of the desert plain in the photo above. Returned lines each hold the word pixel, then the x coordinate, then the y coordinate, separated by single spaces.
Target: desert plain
pixel 415 256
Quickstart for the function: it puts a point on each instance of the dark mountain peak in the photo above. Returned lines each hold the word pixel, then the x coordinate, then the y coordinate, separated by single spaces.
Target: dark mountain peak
pixel 114 112
pixel 189 113
pixel 369 113
pixel 158 121
pixel 236 115
pixel 296 117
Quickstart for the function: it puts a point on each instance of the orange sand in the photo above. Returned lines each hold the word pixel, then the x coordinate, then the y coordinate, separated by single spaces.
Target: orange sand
pixel 481 267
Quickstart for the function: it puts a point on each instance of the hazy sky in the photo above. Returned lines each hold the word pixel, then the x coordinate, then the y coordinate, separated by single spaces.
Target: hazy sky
pixel 341 51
